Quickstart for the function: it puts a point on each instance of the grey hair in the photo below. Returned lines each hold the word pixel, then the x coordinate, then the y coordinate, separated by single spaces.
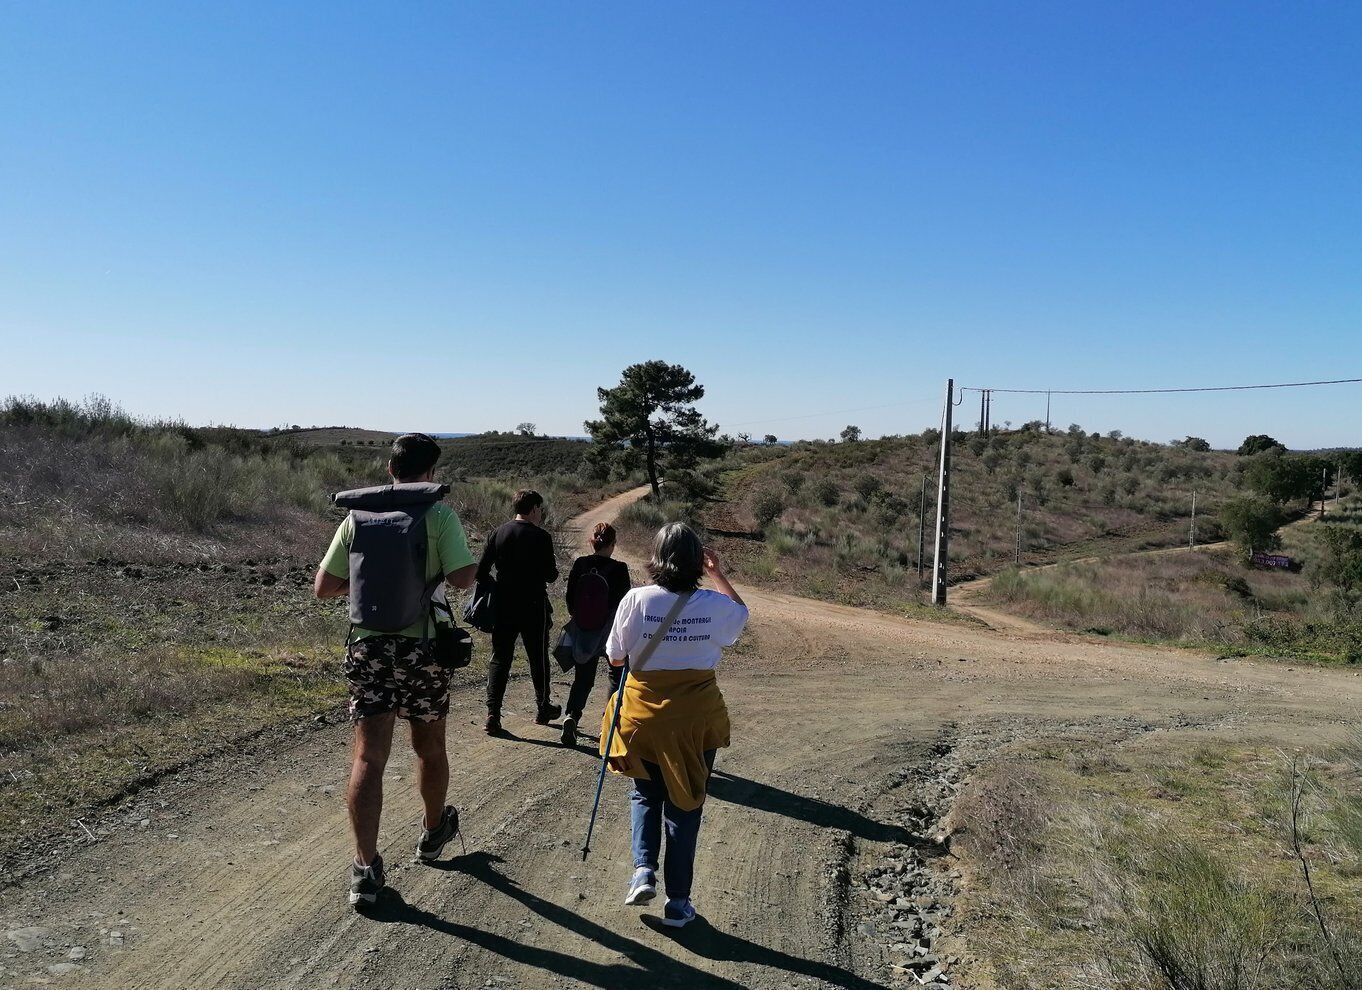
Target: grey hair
pixel 678 558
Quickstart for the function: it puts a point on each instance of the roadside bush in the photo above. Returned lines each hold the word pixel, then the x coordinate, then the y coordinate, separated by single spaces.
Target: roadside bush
pixel 793 481
pixel 828 493
pixel 1199 924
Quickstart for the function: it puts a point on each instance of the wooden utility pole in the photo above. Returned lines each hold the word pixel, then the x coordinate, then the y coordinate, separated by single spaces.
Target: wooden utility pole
pixel 983 420
pixel 1191 539
pixel 1047 412
pixel 1323 489
pixel 943 495
pixel 922 530
pixel 1019 527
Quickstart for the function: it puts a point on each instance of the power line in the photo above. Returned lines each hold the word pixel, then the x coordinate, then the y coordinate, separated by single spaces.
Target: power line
pixel 833 412
pixel 1156 391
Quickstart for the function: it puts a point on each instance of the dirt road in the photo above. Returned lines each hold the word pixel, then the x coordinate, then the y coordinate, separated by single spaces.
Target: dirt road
pixel 235 878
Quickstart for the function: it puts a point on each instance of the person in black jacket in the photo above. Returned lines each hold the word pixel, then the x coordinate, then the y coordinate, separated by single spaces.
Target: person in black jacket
pixel 616 574
pixel 521 551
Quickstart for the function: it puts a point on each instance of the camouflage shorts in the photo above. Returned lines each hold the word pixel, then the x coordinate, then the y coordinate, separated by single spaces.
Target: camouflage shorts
pixel 396 674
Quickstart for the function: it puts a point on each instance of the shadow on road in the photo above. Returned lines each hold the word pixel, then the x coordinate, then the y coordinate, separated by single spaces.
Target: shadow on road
pixel 703 939
pixel 646 967
pixel 763 797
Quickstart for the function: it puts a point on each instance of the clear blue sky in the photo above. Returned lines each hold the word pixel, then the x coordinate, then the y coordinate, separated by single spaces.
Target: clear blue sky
pixel 460 216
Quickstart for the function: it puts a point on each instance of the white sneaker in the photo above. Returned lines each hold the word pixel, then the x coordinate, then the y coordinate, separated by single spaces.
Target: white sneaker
pixel 643 888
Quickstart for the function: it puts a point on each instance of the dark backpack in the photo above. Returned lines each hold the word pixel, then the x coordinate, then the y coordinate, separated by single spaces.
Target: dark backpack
pixel 481 610
pixel 590 605
pixel 388 586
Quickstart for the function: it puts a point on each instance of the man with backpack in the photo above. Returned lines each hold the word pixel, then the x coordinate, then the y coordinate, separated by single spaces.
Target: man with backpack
pixel 397 545
pixel 521 552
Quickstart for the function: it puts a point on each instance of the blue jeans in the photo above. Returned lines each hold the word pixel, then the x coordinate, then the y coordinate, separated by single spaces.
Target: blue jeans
pixel 651 809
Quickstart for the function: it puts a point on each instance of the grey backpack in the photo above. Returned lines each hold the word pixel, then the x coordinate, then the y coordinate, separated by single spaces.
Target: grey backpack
pixel 388 586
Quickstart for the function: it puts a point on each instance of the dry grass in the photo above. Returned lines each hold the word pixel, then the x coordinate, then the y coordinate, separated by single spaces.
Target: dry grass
pixel 1161 863
pixel 155 579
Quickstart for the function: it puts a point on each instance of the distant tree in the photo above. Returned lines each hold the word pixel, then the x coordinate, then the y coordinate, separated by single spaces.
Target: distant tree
pixel 1258 443
pixel 744 439
pixel 527 429
pixel 1195 443
pixel 770 438
pixel 1350 461
pixel 651 410
pixel 1075 430
pixel 768 507
pixel 1251 523
pixel 1115 434
pixel 1284 477
pixel 851 434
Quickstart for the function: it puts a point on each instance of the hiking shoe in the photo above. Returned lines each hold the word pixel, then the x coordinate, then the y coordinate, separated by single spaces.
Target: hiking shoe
pixel 678 913
pixel 493 725
pixel 570 731
pixel 547 713
pixel 434 840
pixel 642 889
pixel 366 882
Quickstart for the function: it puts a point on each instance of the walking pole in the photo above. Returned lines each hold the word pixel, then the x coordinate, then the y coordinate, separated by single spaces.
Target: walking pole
pixel 600 778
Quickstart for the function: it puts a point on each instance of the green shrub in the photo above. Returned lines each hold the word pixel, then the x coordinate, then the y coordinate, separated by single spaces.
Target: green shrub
pixel 1251 522
pixel 767 507
pixel 868 485
pixel 1340 558
pixel 828 493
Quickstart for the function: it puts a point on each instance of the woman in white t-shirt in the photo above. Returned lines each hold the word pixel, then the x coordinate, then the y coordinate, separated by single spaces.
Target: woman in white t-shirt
pixel 673 718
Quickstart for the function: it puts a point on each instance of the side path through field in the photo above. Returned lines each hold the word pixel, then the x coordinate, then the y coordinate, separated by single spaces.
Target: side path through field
pixel 237 879
pixel 969 597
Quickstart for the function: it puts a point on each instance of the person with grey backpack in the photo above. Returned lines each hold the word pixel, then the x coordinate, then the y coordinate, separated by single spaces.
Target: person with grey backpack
pixel 396 546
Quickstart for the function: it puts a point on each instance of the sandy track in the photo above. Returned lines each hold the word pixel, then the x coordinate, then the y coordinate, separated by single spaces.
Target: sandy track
pixel 827 702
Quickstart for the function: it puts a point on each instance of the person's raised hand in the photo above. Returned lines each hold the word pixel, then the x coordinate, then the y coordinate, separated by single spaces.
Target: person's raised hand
pixel 712 563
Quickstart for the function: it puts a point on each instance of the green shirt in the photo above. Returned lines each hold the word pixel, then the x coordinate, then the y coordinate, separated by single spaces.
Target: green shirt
pixel 446 551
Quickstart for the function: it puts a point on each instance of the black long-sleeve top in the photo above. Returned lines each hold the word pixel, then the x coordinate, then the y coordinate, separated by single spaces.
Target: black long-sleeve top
pixel 615 572
pixel 522 554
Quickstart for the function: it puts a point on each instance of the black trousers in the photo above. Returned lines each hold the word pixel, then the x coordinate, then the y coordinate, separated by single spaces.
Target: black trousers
pixel 530 624
pixel 583 680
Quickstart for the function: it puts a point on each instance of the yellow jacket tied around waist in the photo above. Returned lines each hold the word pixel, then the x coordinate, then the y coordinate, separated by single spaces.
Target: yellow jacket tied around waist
pixel 670 718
